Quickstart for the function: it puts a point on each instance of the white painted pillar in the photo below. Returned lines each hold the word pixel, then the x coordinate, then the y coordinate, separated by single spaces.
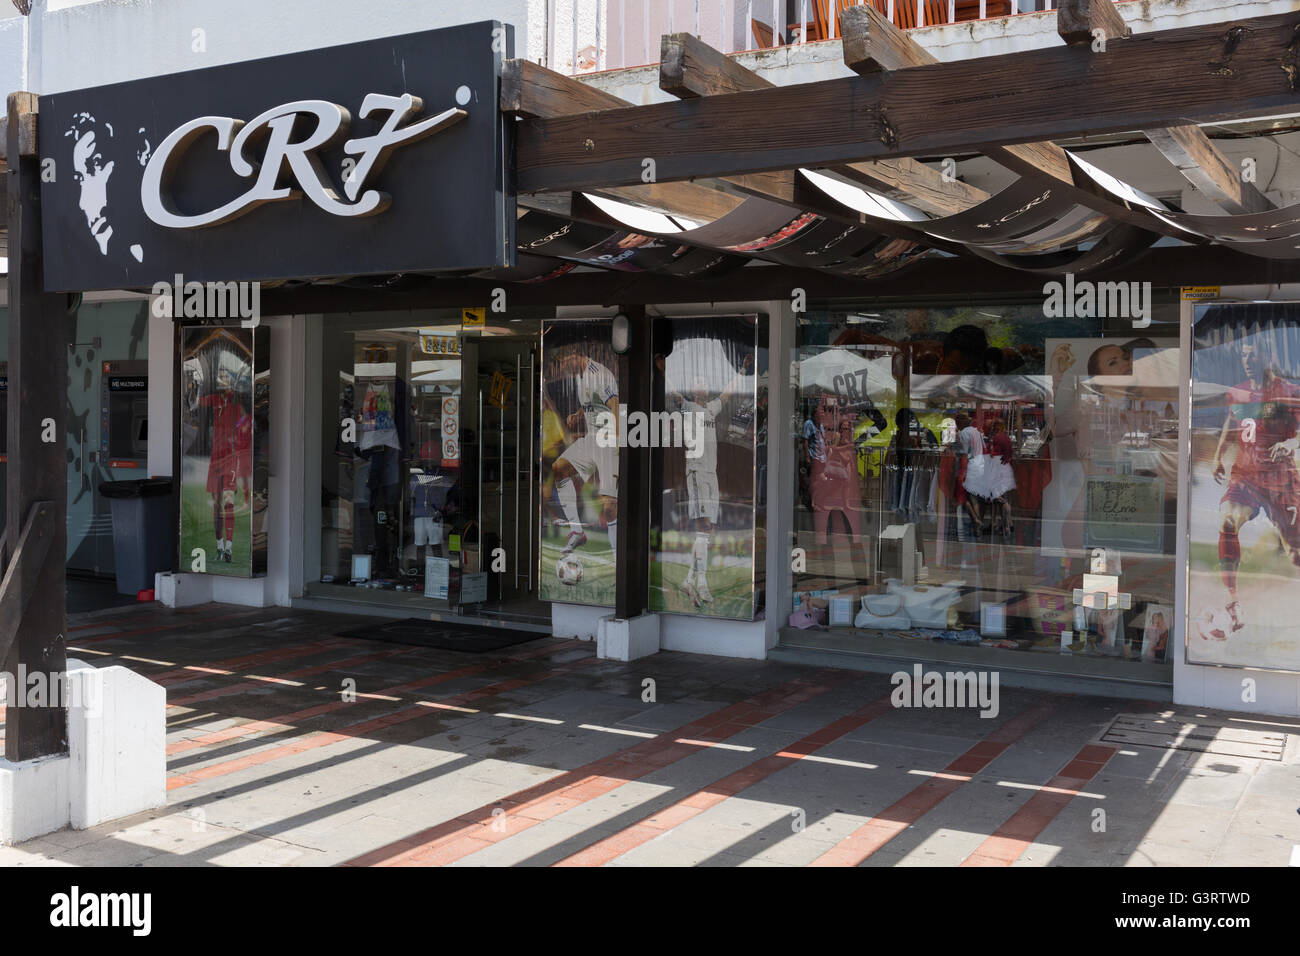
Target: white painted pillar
pixel 780 467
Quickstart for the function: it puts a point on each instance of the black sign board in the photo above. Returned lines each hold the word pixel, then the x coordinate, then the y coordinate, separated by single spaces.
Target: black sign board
pixel 377 157
pixel 135 383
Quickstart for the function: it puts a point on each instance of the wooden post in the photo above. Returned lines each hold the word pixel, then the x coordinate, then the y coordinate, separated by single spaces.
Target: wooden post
pixel 34 591
pixel 632 550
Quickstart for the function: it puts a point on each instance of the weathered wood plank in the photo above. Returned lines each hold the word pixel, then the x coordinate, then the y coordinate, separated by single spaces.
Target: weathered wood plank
pixel 1250 68
pixel 1077 19
pixel 873 44
pixel 1201 163
pixel 530 90
pixel 37 467
pixel 913 182
pixel 1161 265
pixel 21 572
pixel 691 68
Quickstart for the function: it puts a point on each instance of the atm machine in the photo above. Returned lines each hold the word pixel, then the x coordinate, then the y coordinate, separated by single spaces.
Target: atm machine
pixel 124 416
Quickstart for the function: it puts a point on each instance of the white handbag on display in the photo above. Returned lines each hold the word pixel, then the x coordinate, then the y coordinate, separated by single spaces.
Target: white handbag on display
pixel 926 605
pixel 887 614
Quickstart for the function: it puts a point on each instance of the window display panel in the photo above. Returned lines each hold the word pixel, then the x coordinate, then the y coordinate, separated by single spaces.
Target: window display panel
pixel 224 400
pixel 1244 537
pixel 579 467
pixel 988 476
pixel 391 456
pixel 706 444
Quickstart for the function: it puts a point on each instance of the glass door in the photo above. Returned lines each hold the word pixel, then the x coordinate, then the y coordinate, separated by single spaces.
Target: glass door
pixel 500 451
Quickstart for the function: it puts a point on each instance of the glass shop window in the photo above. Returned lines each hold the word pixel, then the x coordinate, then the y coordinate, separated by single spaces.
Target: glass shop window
pixel 989 480
pixel 390 482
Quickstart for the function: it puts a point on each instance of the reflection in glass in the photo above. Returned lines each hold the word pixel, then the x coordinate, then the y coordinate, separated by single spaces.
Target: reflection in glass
pixel 1245 487
pixel 224 401
pixel 986 477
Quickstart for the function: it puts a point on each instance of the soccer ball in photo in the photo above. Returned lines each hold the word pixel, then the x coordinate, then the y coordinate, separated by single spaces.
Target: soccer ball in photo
pixel 569 569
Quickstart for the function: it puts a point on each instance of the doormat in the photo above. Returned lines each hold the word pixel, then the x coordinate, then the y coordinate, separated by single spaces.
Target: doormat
pixel 1200 734
pixel 443 635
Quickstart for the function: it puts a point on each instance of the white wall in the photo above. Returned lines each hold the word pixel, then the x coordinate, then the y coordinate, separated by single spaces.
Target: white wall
pixel 807 63
pixel 93 42
pixel 13 54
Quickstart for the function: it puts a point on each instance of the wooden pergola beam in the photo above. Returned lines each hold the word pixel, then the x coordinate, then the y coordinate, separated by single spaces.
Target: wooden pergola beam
pixel 690 68
pixel 1201 163
pixel 874 45
pixel 26 137
pixel 958 277
pixel 532 91
pixel 1077 21
pixel 1026 97
pixel 1185 145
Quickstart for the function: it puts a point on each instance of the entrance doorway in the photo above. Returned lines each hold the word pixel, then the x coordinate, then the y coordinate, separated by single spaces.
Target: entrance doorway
pixel 500 466
pixel 429 487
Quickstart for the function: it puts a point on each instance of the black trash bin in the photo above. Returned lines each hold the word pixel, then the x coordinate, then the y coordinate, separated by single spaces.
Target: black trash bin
pixel 143 536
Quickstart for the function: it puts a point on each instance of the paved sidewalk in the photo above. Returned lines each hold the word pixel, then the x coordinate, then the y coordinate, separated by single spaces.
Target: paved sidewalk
pixel 539 754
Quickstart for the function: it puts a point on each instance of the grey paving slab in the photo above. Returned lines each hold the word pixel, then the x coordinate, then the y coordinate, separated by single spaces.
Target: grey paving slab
pixel 357 794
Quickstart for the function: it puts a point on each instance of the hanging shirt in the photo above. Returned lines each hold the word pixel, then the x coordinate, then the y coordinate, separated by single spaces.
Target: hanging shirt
pixel 812 434
pixel 378 426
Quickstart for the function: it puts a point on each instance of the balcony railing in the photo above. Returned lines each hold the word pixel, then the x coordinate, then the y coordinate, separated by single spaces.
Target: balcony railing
pixel 586 36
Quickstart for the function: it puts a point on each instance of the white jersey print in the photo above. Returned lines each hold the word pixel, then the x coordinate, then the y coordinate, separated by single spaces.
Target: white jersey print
pixel 596 386
pixel 706 433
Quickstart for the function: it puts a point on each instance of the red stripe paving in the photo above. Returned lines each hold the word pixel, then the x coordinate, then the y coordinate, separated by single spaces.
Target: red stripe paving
pixel 473 831
pixel 260 682
pixel 904 812
pixel 414 712
pixel 286 720
pixel 263 681
pixel 657 824
pixel 187 673
pixel 192 672
pixel 170 626
pixel 1015 836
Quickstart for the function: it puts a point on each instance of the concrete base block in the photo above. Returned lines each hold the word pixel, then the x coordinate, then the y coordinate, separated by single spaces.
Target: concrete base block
pixel 627 640
pixel 33 797
pixel 117 741
pixel 182 590
pixel 116 763
pixel 576 620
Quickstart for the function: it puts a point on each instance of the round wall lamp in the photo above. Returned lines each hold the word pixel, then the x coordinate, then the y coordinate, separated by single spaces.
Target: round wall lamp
pixel 620 336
